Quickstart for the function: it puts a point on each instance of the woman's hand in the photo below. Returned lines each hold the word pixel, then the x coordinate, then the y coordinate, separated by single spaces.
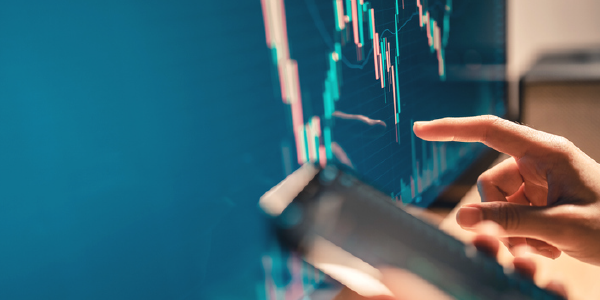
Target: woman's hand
pixel 547 195
pixel 407 286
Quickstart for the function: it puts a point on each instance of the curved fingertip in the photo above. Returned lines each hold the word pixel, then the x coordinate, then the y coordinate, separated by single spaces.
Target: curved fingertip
pixel 419 128
pixel 419 124
pixel 428 131
pixel 489 236
pixel 555 252
pixel 525 266
pixel 557 288
pixel 467 217
pixel 547 253
pixel 510 249
pixel 487 244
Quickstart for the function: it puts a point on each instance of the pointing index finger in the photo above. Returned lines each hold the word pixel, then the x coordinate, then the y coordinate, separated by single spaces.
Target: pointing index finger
pixel 502 135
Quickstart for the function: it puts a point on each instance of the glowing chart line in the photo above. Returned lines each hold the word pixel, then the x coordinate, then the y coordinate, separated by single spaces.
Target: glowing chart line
pixel 307 136
pixel 314 14
pixel 386 68
pixel 402 26
pixel 313 137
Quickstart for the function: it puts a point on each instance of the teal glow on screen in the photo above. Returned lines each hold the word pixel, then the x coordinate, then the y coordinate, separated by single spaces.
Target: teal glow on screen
pixel 136 137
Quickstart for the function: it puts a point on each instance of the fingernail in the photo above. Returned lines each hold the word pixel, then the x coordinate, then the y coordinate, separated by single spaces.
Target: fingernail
pixel 555 253
pixel 420 123
pixel 550 252
pixel 469 216
pixel 547 253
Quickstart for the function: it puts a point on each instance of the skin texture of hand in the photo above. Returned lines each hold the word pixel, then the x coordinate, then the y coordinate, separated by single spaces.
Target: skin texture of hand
pixel 547 195
pixel 407 286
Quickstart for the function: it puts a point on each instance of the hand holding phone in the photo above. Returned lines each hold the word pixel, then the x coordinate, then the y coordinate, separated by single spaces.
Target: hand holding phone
pixel 358 236
pixel 405 285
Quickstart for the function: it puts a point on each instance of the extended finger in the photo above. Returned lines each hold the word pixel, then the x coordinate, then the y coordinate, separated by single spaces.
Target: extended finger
pixel 501 181
pixel 516 219
pixel 502 135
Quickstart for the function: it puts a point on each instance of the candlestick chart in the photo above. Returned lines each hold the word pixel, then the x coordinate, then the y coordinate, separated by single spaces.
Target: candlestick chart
pixel 359 25
pixel 150 129
pixel 354 75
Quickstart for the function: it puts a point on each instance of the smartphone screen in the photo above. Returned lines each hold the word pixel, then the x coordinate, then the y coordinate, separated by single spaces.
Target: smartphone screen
pixel 341 224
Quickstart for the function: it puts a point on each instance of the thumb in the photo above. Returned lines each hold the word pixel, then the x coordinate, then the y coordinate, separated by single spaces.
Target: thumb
pixel 516 219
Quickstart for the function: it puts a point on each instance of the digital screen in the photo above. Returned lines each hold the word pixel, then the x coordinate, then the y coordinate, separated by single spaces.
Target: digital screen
pixel 138 136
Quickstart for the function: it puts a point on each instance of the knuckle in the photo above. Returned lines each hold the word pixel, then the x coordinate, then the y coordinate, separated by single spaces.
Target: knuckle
pixel 563 144
pixel 483 178
pixel 508 217
pixel 484 186
pixel 560 149
pixel 553 152
pixel 490 122
pixel 490 119
pixel 487 174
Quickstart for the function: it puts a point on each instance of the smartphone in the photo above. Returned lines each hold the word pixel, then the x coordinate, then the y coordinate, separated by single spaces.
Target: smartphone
pixel 349 230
